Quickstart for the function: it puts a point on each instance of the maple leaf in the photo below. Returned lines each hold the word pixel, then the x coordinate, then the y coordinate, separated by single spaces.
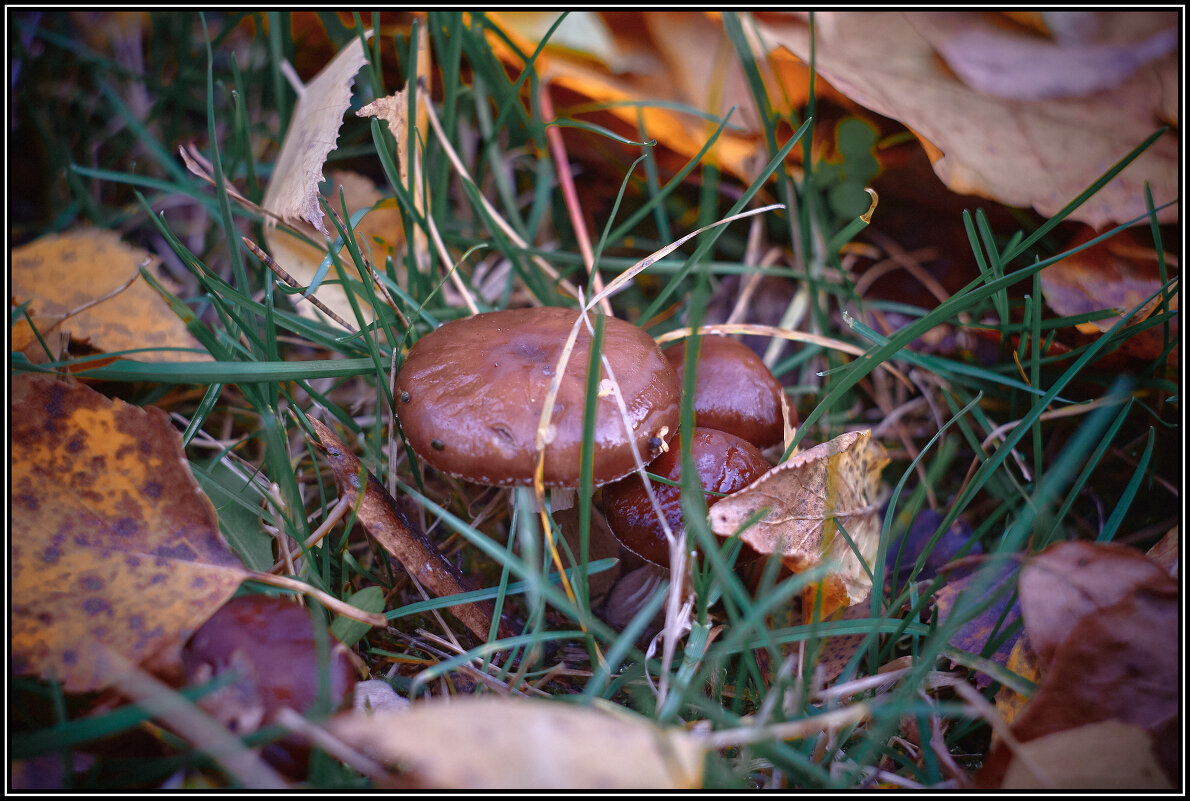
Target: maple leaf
pixel 808 498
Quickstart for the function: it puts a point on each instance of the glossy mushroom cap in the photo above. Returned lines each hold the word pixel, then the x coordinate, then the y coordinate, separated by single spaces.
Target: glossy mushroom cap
pixel 734 391
pixel 470 395
pixel 725 463
pixel 269 643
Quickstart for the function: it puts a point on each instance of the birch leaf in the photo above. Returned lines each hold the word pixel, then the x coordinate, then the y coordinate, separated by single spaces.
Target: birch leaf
pixel 807 498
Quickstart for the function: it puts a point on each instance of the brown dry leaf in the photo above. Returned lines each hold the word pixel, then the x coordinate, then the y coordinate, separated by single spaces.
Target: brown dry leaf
pixel 113 544
pixel 379 234
pixel 1072 579
pixel 976 632
pixel 1118 661
pixel 1021 153
pixel 1099 756
pixel 487 743
pixel 1120 273
pixel 86 269
pixel 835 481
pixel 293 191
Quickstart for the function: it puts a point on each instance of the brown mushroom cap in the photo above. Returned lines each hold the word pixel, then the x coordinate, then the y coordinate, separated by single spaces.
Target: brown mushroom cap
pixel 470 395
pixel 725 463
pixel 271 642
pixel 734 391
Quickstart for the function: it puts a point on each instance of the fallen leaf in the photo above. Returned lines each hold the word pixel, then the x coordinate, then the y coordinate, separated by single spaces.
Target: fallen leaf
pixel 1165 553
pixel 807 497
pixel 1099 756
pixel 1119 273
pixel 593 83
pixel 113 544
pixel 974 634
pixel 488 743
pixel 1023 662
pixel 378 235
pixel 1040 154
pixel 1118 659
pixel 313 129
pixel 86 269
pixel 1070 580
pixel 1005 63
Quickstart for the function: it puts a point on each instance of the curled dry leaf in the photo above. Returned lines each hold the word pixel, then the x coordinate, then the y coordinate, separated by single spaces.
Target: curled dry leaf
pixel 92 270
pixel 114 547
pixel 398 535
pixel 1021 153
pixel 504 743
pixel 293 191
pixel 807 498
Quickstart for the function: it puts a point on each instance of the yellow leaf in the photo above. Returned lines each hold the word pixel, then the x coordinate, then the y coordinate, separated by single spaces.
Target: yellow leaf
pixel 485 743
pixel 807 497
pixel 90 269
pixel 113 544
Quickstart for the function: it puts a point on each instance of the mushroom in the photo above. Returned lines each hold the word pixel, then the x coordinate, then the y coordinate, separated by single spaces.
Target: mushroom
pixel 470 396
pixel 734 391
pixel 269 643
pixel 725 463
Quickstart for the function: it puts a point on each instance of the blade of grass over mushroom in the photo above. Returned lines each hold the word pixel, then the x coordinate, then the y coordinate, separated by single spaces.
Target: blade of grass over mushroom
pixel 587 467
pixel 773 331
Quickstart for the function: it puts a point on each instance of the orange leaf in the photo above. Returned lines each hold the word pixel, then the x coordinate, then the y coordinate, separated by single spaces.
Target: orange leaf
pixel 89 269
pixel 113 544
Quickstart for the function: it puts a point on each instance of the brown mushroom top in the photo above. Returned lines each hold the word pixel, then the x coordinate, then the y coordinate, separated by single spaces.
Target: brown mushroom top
pixel 734 391
pixel 725 463
pixel 470 394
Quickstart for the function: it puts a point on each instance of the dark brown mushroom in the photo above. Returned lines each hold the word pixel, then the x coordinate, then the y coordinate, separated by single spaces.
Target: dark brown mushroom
pixel 733 391
pixel 269 643
pixel 725 463
pixel 470 396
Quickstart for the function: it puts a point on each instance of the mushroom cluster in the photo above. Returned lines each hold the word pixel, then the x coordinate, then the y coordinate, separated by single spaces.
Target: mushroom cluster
pixel 737 412
pixel 470 397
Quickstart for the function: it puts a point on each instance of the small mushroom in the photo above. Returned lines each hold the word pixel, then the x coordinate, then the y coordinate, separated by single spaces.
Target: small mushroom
pixel 471 395
pixel 725 463
pixel 734 391
pixel 269 643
